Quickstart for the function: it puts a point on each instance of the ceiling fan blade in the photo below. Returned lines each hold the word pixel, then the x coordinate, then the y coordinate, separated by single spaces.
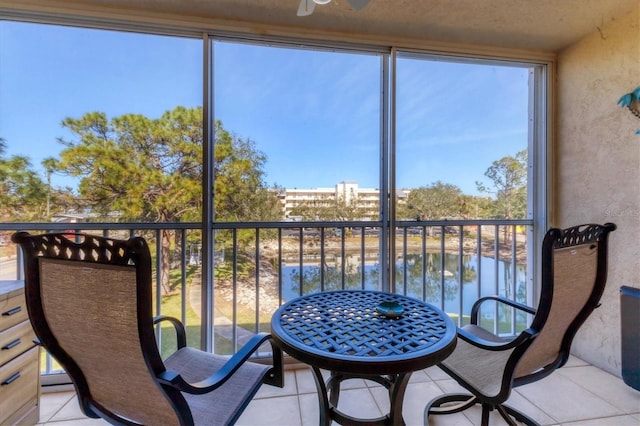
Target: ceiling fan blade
pixel 306 7
pixel 358 4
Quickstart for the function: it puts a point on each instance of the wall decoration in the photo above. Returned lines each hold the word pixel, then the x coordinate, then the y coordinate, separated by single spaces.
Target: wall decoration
pixel 632 101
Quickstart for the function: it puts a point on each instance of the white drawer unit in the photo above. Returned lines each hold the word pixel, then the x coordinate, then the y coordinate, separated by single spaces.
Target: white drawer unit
pixel 19 359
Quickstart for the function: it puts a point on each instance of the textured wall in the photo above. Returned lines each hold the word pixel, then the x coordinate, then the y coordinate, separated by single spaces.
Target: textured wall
pixel 598 166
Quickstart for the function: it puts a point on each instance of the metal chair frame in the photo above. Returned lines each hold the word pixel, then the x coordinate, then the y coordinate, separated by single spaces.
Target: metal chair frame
pixel 134 253
pixel 554 239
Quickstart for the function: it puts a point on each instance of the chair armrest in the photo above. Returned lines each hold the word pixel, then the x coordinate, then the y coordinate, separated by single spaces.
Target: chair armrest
pixel 181 334
pixel 275 376
pixel 475 309
pixel 525 335
pixel 217 379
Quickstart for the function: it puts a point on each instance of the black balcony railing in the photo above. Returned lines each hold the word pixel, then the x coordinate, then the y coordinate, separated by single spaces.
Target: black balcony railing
pixel 258 266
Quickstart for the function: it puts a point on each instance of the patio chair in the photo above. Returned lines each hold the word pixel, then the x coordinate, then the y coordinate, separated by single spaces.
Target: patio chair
pixel 574 271
pixel 90 304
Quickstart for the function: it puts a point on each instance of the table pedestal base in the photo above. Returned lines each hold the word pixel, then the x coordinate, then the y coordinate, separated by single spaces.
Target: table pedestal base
pixel 329 393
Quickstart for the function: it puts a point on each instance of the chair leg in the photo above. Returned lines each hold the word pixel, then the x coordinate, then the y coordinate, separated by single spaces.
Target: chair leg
pixel 520 416
pixel 444 405
pixel 486 409
pixel 505 415
pixel 509 414
pixel 455 403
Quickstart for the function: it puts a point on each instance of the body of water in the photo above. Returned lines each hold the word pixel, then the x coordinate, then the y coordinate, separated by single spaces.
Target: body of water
pixel 465 280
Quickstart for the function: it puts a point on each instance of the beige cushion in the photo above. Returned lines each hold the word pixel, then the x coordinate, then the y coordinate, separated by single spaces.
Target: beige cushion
pixel 480 368
pixel 574 280
pixel 91 309
pixel 216 407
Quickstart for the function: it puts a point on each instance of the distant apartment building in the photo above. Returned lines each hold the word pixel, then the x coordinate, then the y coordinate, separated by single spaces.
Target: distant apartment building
pixel 348 191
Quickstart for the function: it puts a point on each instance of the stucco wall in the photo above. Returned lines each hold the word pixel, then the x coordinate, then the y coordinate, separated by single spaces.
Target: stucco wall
pixel 597 167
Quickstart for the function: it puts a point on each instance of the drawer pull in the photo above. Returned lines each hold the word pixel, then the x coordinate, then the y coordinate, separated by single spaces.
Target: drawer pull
pixel 11 379
pixel 11 345
pixel 12 311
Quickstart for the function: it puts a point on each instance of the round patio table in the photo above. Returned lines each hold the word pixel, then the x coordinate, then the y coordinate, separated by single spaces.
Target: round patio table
pixel 346 333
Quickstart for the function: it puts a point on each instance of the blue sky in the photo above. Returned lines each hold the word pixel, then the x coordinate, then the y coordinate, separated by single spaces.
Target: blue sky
pixel 315 114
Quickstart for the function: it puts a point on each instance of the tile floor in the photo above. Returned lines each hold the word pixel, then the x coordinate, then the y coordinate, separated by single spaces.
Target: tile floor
pixel 578 394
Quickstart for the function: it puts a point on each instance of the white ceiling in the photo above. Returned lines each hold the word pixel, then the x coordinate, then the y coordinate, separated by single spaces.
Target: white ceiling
pixel 542 25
